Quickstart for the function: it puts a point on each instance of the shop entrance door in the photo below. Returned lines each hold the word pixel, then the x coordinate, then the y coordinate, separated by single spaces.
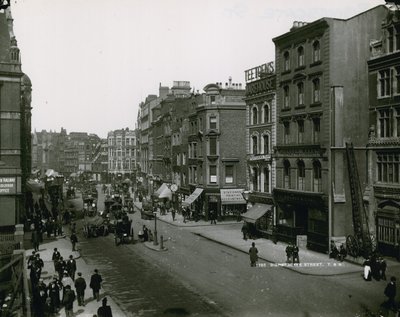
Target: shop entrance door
pixel 301 217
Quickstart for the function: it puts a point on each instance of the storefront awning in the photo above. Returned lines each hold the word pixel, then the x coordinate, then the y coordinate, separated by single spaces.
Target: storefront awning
pixel 256 212
pixel 160 190
pixel 232 196
pixel 193 196
pixel 166 193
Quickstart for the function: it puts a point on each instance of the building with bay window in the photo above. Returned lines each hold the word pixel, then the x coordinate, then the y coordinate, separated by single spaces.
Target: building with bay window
pixel 384 137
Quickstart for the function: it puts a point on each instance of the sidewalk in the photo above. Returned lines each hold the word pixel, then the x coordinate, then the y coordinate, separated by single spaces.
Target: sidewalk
pixel 63 245
pixel 229 233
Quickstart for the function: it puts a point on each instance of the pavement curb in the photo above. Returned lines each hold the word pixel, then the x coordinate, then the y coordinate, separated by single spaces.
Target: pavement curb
pixel 272 262
pixel 151 246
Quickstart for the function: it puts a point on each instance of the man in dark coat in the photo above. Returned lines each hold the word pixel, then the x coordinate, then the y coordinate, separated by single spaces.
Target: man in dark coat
pixel 80 286
pixel 104 310
pixel 56 257
pixel 390 293
pixel 253 252
pixel 60 267
pixel 35 239
pixel 74 240
pixel 295 251
pixel 68 301
pixel 54 294
pixel 71 267
pixel 95 284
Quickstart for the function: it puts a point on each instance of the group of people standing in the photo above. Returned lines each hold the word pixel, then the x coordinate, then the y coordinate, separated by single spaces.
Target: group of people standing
pixel 375 268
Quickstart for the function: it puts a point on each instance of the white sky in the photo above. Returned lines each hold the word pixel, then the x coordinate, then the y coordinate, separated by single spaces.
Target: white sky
pixel 92 62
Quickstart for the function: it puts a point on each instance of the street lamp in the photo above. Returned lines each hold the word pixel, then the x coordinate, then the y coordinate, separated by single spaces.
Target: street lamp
pixel 155 241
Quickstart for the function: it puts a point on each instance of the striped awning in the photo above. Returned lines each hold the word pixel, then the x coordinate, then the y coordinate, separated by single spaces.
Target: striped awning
pixel 193 196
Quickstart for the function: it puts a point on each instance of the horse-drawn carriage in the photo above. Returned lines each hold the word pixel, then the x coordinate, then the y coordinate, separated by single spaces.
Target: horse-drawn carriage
pixel 123 231
pixel 89 206
pixel 96 226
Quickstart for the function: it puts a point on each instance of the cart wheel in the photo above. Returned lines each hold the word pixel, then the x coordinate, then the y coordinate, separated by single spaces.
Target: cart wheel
pixel 352 246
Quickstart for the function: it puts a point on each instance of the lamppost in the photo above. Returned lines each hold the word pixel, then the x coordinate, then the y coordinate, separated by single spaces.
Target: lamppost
pixel 155 241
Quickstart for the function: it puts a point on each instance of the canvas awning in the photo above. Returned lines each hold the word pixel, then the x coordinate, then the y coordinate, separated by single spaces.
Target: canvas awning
pixel 193 196
pixel 256 212
pixel 166 193
pixel 232 196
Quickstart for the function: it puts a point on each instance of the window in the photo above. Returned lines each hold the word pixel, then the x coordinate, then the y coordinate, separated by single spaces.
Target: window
pixel 266 144
pixel 213 122
pixel 286 132
pixel 266 114
pixel 255 115
pixel 301 175
pixel 255 179
pixel 384 83
pixel 286 174
pixel 286 61
pixel 213 174
pixel 300 131
pixel 194 150
pixel 300 56
pixel 388 166
pixel 286 97
pixel 397 121
pixel 390 39
pixel 212 100
pixel 316 130
pixel 384 123
pixel 266 180
pixel 316 52
pixel 229 174
pixel 300 94
pixel 386 230
pixel 316 90
pixel 254 140
pixel 213 146
pixel 317 177
pixel 397 81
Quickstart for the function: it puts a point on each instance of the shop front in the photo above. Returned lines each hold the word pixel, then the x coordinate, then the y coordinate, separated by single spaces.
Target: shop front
pixel 304 216
pixel 233 205
pixel 259 220
pixel 193 204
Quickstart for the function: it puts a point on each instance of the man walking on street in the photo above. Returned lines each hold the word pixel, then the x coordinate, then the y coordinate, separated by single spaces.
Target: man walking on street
pixel 80 286
pixel 295 255
pixel 95 284
pixel 56 257
pixel 35 239
pixel 68 301
pixel 390 292
pixel 71 267
pixel 104 310
pixel 212 217
pixel 253 252
pixel 74 240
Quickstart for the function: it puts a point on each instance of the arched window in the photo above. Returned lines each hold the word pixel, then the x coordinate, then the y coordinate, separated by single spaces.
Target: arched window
pixel 266 114
pixel 300 94
pixel 317 176
pixel 266 144
pixel 286 97
pixel 286 174
pixel 254 139
pixel 254 115
pixel 255 179
pixel 266 180
pixel 300 56
pixel 316 90
pixel 301 175
pixel 286 61
pixel 316 51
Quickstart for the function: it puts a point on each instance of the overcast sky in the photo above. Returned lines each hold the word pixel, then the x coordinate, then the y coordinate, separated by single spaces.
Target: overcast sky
pixel 92 62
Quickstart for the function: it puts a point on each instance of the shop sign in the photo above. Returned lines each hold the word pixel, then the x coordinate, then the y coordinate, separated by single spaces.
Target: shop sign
pixel 256 72
pixel 8 185
pixel 263 85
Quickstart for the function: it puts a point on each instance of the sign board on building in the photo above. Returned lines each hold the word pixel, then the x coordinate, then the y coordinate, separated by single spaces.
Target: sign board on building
pixel 301 241
pixel 256 72
pixel 8 185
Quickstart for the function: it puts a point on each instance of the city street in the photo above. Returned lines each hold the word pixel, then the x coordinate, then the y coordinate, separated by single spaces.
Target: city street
pixel 197 276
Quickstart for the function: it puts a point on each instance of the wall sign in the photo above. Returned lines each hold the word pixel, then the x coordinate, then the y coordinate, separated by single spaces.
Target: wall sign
pixel 8 185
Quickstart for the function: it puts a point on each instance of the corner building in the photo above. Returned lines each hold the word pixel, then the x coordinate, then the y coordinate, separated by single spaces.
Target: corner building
pixel 322 103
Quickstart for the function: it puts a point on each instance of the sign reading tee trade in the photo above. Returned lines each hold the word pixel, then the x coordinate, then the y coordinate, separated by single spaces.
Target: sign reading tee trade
pixel 8 185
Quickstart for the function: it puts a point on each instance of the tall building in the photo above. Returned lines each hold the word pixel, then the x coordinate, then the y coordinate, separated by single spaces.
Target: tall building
pixel 15 127
pixel 261 140
pixel 384 136
pixel 321 93
pixel 121 154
